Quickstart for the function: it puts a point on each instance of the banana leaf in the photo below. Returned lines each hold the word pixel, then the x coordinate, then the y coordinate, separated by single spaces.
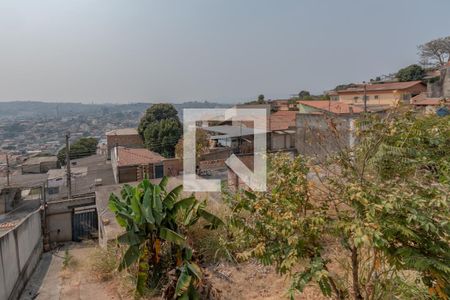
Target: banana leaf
pixel 171 236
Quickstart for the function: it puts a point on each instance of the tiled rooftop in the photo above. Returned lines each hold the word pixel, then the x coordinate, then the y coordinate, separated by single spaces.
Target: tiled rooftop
pixel 136 156
pixel 333 106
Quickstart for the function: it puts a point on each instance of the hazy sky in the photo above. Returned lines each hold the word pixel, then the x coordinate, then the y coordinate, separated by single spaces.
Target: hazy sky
pixel 217 50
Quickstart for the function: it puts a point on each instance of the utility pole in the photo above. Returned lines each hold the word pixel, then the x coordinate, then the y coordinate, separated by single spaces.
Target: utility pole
pixel 365 97
pixel 7 170
pixel 69 179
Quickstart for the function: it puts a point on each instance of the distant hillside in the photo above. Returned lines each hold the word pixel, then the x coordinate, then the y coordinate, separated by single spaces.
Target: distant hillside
pixel 24 109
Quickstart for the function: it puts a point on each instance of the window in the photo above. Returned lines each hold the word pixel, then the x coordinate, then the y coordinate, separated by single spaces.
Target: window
pixel 376 96
pixel 366 97
pixel 53 190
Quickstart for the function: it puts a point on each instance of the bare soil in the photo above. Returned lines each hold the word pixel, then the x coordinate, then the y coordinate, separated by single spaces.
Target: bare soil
pixel 244 281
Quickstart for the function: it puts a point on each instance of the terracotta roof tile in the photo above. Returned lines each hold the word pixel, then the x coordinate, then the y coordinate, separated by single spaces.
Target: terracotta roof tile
pixel 137 156
pixel 335 107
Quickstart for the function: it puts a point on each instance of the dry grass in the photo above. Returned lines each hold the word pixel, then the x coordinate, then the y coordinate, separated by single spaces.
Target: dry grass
pixel 104 262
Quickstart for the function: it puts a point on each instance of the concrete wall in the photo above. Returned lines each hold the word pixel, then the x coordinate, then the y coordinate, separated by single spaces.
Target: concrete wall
pixel 127 174
pixel 434 89
pixel 172 166
pixel 281 141
pixel 319 135
pixel 10 198
pixel 131 141
pixel 217 154
pixel 20 251
pixel 31 169
pixel 446 83
pixel 234 182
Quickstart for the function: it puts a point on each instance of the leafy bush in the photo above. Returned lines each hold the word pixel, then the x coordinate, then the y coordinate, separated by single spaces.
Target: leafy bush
pixel 155 221
pixel 411 73
pixel 383 205
pixel 81 148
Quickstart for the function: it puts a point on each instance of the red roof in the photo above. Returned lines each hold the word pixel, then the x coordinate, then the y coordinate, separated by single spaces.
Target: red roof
pixel 136 156
pixel 422 99
pixel 335 107
pixel 389 86
pixel 282 120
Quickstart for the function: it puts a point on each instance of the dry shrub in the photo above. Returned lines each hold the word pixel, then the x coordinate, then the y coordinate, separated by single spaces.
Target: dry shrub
pixel 104 262
pixel 212 245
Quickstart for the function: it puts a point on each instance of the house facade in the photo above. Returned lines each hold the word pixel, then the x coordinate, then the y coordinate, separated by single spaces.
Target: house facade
pixel 391 93
pixel 40 164
pixel 135 164
pixel 282 130
pixel 126 137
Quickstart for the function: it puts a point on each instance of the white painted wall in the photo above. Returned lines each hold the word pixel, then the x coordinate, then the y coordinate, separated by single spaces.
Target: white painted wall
pixel 18 254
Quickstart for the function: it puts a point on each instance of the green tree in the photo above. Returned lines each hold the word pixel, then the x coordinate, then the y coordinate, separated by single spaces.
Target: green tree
pixel 85 146
pixel 161 129
pixel 383 206
pixel 202 144
pixel 304 95
pixel 261 99
pixel 411 73
pixel 155 221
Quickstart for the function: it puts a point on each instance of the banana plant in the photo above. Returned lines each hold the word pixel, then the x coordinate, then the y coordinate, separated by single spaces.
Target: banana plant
pixel 152 217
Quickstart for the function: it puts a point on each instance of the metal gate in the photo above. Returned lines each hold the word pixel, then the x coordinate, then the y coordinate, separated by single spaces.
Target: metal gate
pixel 84 223
pixel 159 171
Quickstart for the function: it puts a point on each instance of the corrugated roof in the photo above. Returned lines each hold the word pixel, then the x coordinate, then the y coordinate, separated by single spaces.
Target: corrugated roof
pixel 39 159
pixel 282 120
pixel 382 87
pixel 123 131
pixel 137 156
pixel 229 131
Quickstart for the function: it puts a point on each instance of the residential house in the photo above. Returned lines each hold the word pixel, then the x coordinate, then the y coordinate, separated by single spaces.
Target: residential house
pixel 126 137
pixel 282 130
pixel 283 104
pixel 324 127
pixel 135 164
pixel 39 164
pixel 428 105
pixel 390 93
pixel 238 137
